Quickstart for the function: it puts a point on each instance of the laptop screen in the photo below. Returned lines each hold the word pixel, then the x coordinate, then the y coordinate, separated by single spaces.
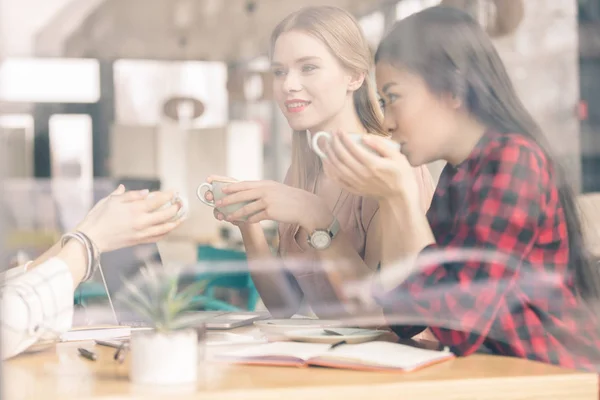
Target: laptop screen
pixel 125 264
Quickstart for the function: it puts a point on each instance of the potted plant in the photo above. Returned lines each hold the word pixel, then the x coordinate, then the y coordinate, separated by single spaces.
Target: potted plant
pixel 167 354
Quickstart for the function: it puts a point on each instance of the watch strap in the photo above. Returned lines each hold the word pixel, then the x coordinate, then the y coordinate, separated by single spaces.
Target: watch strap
pixel 334 228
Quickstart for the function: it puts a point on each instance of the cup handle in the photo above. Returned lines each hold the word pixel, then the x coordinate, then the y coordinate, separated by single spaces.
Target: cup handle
pixel 200 195
pixel 315 142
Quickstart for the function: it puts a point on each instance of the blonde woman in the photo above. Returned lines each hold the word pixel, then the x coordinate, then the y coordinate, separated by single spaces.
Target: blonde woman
pixel 320 62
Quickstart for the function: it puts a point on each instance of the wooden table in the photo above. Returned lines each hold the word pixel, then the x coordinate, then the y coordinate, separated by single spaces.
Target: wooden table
pixel 59 373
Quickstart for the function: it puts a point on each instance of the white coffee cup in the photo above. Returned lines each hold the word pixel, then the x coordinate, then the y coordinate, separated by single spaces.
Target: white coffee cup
pixel 216 187
pixel 177 199
pixel 355 137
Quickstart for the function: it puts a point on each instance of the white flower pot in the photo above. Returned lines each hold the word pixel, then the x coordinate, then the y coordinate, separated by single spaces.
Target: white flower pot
pixel 164 358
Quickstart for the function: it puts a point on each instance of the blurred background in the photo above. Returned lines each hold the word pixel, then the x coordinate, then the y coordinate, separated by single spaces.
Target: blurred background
pixel 162 93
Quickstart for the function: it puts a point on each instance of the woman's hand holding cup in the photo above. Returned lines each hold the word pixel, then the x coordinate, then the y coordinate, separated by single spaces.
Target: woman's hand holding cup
pixel 214 191
pixel 128 218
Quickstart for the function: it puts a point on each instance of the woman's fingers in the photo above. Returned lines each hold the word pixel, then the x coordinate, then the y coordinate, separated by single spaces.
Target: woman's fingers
pixel 261 216
pixel 218 215
pixel 360 153
pixel 119 190
pixel 161 216
pixel 156 200
pixel 345 150
pixel 239 197
pixel 337 169
pixel 134 195
pixel 248 209
pixel 157 230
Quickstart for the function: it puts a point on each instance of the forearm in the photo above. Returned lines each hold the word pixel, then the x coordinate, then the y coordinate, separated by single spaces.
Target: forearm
pixel 342 263
pixel 48 254
pixel 407 233
pixel 338 267
pixel 280 294
pixel 73 254
pixel 255 242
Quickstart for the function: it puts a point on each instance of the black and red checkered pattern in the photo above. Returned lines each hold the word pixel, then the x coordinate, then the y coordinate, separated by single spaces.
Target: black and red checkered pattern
pixel 498 276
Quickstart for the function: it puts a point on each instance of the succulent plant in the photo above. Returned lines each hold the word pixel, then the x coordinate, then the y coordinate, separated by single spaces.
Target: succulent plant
pixel 156 297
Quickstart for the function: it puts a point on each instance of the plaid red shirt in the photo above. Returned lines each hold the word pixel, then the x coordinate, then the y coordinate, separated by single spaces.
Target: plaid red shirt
pixel 519 298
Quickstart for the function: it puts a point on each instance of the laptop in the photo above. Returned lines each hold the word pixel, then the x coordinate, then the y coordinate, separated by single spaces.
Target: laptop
pixel 126 263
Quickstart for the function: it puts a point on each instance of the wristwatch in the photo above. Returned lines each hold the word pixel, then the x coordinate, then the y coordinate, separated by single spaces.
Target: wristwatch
pixel 321 239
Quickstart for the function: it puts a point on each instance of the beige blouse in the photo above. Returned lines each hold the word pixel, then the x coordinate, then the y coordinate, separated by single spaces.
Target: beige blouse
pixel 354 213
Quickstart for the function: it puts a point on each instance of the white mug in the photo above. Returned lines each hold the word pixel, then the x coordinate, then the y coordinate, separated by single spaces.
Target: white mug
pixel 216 187
pixel 355 137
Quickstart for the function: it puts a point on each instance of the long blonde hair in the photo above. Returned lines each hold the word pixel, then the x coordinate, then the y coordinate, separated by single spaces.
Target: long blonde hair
pixel 341 33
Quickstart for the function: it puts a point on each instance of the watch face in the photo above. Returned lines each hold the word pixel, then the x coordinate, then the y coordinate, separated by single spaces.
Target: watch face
pixel 320 240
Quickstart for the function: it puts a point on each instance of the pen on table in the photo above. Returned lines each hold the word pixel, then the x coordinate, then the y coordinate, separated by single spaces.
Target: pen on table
pixel 90 355
pixel 333 346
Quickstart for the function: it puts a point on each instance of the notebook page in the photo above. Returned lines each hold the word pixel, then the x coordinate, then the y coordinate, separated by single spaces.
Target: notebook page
pixel 385 354
pixel 302 351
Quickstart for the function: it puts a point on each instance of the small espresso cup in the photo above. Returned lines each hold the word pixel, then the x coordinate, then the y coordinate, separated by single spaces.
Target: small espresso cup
pixel 216 187
pixel 355 137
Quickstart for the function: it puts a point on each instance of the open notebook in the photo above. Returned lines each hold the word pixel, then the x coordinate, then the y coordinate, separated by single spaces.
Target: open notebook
pixel 371 356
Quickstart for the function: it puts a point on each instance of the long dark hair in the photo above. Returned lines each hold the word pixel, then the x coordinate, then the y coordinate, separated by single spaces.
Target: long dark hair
pixel 452 53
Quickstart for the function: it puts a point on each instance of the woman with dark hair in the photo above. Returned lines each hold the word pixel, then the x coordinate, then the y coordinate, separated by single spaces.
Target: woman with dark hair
pixel 499 263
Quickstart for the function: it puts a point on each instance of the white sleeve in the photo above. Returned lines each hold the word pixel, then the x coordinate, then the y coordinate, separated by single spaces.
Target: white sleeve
pixel 35 303
pixel 13 272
